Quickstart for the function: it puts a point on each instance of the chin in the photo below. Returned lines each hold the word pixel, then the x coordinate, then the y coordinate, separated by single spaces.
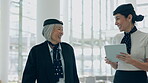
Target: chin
pixel 59 41
pixel 120 30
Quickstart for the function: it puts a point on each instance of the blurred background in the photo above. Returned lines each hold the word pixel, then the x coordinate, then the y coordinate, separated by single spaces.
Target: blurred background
pixel 88 26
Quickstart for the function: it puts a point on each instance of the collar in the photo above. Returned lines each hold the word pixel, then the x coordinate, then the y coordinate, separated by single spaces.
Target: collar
pixel 134 29
pixel 59 47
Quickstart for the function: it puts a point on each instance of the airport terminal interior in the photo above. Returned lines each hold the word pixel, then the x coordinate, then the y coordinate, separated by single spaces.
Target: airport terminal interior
pixel 89 25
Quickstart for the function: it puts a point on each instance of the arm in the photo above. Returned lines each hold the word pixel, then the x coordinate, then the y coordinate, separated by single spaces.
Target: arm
pixel 29 74
pixel 140 65
pixel 128 59
pixel 76 79
pixel 70 63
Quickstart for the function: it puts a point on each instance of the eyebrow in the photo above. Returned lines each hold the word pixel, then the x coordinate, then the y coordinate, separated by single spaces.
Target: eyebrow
pixel 117 16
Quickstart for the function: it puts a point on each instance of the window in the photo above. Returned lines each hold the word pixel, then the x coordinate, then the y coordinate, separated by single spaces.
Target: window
pixel 91 27
pixel 142 8
pixel 22 36
pixel 90 23
pixel 91 20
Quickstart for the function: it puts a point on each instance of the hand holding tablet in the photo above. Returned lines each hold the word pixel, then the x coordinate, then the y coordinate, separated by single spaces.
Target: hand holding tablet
pixel 113 50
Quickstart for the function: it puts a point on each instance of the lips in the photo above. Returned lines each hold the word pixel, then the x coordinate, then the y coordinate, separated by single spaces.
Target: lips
pixel 60 36
pixel 119 26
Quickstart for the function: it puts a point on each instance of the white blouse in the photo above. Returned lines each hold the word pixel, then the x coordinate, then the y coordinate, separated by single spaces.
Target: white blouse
pixel 139 49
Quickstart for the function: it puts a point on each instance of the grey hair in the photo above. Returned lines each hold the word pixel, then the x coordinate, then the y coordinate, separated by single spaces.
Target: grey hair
pixel 47 30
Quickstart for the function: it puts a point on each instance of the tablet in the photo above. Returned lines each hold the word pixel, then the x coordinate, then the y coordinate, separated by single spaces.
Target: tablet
pixel 113 50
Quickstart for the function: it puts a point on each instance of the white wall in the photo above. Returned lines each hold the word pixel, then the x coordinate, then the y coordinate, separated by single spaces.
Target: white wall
pixel 133 2
pixel 4 41
pixel 0 41
pixel 46 9
pixel 64 18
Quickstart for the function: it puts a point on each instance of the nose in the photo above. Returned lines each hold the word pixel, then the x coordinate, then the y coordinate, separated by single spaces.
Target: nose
pixel 116 22
pixel 62 32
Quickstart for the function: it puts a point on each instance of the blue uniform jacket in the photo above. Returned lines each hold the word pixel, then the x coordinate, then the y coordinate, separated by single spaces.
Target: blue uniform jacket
pixel 39 65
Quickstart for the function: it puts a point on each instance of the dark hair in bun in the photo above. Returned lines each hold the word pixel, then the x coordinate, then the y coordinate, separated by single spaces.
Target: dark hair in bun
pixel 126 9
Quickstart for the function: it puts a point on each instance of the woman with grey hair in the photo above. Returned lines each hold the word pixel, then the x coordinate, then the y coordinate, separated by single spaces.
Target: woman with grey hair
pixel 52 61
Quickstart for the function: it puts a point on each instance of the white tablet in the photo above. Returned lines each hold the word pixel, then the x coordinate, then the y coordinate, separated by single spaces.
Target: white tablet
pixel 113 50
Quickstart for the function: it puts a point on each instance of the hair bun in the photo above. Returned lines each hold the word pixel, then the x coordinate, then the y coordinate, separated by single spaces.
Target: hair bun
pixel 139 17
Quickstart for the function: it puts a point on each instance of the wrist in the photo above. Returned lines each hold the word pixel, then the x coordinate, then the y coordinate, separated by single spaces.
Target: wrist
pixel 133 61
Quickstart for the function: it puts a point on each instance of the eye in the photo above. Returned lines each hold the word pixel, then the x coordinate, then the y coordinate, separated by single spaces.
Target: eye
pixel 117 18
pixel 59 28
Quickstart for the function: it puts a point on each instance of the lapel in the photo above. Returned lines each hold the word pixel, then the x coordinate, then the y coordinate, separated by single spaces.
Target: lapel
pixel 46 53
pixel 64 54
pixel 48 61
pixel 67 63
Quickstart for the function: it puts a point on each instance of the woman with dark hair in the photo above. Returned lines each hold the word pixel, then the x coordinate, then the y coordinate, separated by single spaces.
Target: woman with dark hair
pixel 134 64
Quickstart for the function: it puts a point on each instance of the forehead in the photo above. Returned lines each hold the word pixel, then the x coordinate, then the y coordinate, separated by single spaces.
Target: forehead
pixel 118 16
pixel 58 26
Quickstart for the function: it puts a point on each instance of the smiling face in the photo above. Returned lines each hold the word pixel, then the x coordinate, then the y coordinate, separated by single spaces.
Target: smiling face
pixel 124 24
pixel 57 34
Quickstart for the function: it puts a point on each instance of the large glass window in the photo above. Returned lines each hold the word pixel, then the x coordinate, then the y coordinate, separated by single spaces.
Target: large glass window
pixel 92 27
pixel 22 36
pixel 142 8
pixel 91 20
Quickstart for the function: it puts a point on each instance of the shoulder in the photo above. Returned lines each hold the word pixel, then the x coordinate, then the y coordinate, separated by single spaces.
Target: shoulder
pixel 40 45
pixel 64 44
pixel 119 35
pixel 141 34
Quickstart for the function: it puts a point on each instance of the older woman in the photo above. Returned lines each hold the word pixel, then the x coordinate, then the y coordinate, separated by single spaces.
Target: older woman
pixel 52 61
pixel 133 65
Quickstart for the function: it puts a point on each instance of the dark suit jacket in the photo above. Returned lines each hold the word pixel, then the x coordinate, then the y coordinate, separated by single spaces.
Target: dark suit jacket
pixel 39 65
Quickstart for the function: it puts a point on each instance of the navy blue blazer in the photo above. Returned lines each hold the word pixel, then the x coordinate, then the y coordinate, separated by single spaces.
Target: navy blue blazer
pixel 39 65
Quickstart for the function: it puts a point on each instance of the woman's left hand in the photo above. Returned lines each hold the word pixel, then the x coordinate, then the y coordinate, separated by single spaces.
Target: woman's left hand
pixel 125 57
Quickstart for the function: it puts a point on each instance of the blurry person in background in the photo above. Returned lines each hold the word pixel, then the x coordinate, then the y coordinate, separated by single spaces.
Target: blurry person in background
pixel 134 64
pixel 52 61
